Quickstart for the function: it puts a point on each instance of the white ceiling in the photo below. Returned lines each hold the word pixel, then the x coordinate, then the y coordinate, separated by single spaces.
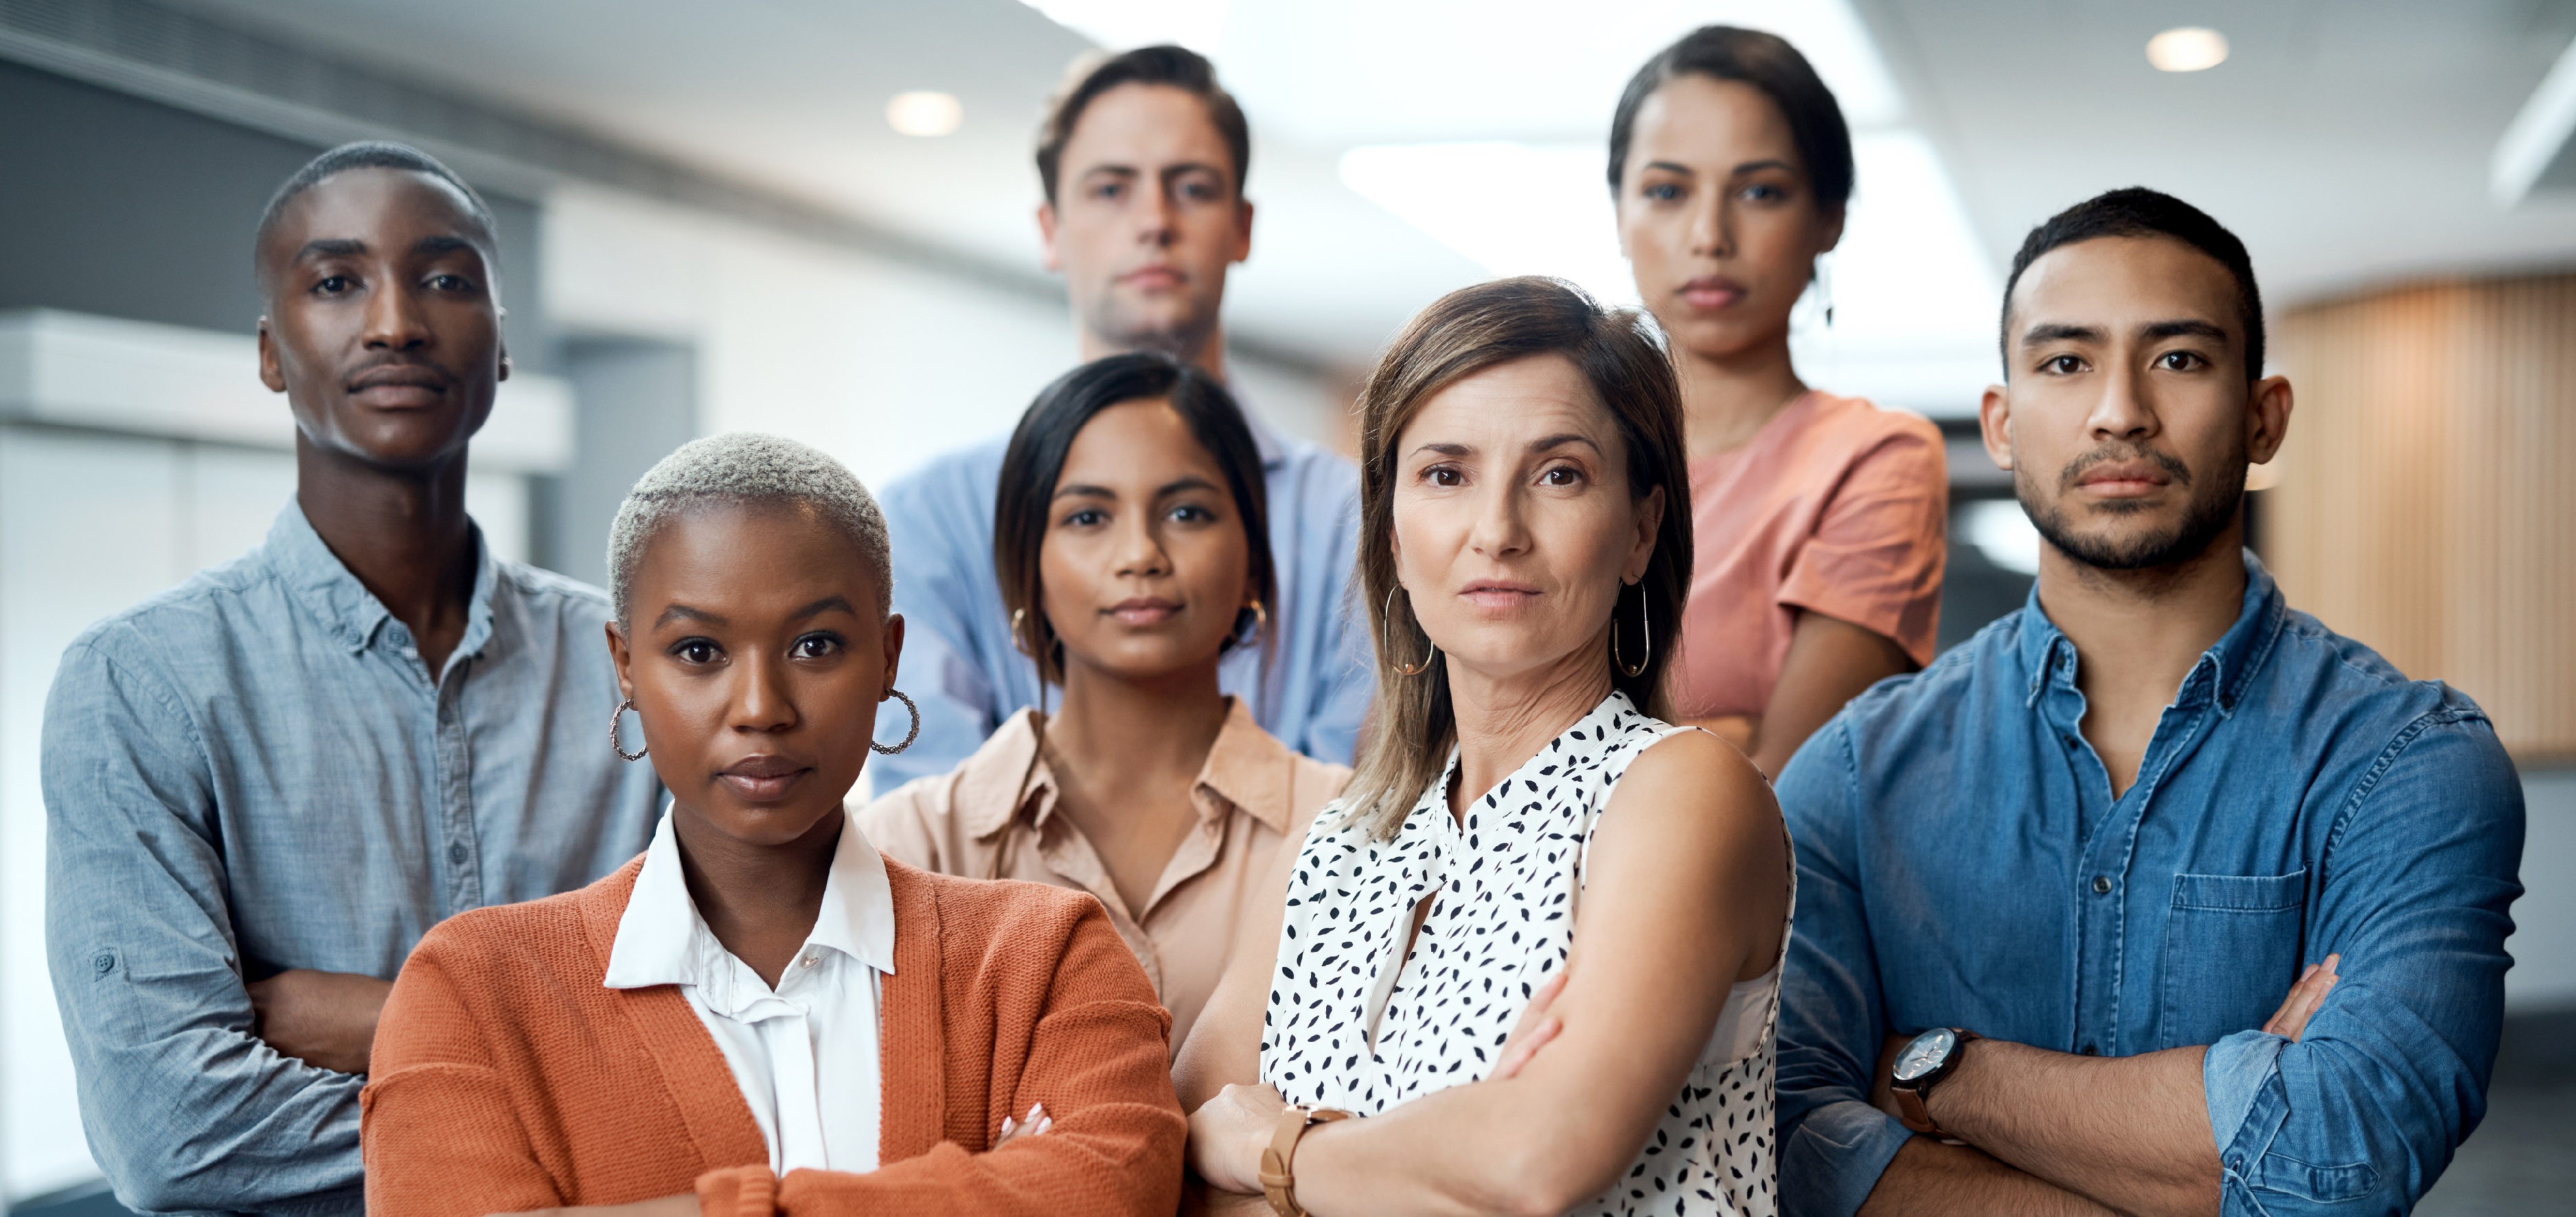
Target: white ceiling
pixel 2346 140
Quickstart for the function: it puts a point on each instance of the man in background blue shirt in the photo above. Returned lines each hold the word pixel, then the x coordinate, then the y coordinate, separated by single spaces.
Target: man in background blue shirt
pixel 263 786
pixel 1143 162
pixel 2223 893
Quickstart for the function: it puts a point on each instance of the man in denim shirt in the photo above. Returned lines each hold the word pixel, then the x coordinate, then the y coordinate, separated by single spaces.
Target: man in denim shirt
pixel 2110 834
pixel 1142 161
pixel 262 786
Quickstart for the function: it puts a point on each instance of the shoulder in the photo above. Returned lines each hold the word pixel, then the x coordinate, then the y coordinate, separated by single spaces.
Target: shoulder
pixel 550 590
pixel 1318 782
pixel 505 938
pixel 1008 911
pixel 2366 706
pixel 236 604
pixel 961 476
pixel 1691 774
pixel 1859 435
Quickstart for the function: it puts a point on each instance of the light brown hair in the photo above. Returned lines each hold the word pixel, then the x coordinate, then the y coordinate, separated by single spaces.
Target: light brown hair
pixel 1170 66
pixel 1622 359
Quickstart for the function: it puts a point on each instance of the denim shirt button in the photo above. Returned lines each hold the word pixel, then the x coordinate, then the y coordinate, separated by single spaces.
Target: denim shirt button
pixel 456 853
pixel 2101 885
pixel 2090 1050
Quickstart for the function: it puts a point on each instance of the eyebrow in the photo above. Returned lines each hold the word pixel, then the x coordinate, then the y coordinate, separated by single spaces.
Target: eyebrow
pixel 1765 163
pixel 822 606
pixel 682 612
pixel 330 247
pixel 444 244
pixel 2047 331
pixel 2186 329
pixel 1562 439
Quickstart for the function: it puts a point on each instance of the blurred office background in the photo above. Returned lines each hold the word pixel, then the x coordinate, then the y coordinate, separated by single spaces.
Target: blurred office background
pixel 814 218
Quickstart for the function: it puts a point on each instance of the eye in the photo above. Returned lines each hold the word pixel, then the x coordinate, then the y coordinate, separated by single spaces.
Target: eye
pixel 1662 192
pixel 333 285
pixel 696 651
pixel 1085 517
pixel 1561 475
pixel 450 283
pixel 1193 513
pixel 2062 365
pixel 2181 361
pixel 1445 475
pixel 1199 192
pixel 1107 190
pixel 1763 192
pixel 822 644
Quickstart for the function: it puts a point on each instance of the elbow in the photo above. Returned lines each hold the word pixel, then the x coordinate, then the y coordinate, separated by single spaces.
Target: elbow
pixel 1542 1176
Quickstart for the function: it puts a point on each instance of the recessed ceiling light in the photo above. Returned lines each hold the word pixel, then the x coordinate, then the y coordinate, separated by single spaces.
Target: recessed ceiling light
pixel 924 114
pixel 2190 48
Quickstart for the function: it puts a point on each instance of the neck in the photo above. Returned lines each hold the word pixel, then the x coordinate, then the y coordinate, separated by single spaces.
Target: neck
pixel 1504 721
pixel 1151 728
pixel 760 901
pixel 1207 353
pixel 1727 398
pixel 2137 633
pixel 402 532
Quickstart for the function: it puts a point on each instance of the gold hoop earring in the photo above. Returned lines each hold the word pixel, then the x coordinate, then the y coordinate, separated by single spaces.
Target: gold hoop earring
pixel 1646 625
pixel 1260 614
pixel 1386 612
pixel 1020 641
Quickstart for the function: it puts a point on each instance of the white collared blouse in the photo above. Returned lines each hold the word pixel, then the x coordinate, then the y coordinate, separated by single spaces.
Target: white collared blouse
pixel 821 1022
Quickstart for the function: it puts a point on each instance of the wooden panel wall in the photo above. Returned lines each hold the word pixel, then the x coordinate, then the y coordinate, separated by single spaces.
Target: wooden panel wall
pixel 2427 495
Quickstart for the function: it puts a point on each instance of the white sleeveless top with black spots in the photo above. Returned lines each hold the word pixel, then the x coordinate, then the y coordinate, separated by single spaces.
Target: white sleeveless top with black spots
pixel 1511 878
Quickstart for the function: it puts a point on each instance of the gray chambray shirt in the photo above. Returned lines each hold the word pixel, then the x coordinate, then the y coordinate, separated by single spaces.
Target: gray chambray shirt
pixel 255 771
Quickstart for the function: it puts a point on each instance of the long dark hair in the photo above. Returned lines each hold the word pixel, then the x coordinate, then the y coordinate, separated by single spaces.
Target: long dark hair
pixel 1036 457
pixel 1766 62
pixel 1461 334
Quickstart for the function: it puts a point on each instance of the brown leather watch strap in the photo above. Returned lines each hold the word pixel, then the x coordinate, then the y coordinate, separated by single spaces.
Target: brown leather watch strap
pixel 1916 1116
pixel 1278 1163
pixel 1915 1105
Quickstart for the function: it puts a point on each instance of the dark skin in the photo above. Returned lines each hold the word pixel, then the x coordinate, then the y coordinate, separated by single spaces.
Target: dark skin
pixel 384 332
pixel 756 657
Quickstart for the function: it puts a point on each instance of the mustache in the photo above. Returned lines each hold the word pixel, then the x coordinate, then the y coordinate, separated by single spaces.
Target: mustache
pixel 2172 465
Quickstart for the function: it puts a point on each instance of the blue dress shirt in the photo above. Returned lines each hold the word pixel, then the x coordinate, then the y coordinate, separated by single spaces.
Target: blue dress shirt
pixel 255 771
pixel 960 665
pixel 1962 863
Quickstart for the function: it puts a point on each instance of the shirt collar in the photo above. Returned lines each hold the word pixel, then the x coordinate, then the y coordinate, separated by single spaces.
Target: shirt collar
pixel 1008 777
pixel 317 577
pixel 661 939
pixel 2223 670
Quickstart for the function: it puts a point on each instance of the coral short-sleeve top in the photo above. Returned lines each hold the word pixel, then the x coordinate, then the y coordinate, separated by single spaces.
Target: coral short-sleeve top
pixel 1834 507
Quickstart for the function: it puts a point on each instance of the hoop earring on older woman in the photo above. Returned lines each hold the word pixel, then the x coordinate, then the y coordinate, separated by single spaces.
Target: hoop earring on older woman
pixel 908 736
pixel 1387 613
pixel 1645 624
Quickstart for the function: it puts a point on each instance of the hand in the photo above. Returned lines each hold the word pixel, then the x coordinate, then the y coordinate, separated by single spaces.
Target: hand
pixel 2309 992
pixel 1535 1028
pixel 1228 1133
pixel 683 1205
pixel 1030 1125
pixel 324 1019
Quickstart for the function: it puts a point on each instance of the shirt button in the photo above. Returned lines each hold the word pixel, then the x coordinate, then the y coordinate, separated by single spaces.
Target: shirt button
pixel 2090 1050
pixel 456 853
pixel 808 961
pixel 2101 885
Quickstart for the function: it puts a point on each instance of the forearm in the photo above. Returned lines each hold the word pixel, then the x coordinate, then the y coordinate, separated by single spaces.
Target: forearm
pixel 1132 1172
pixel 1930 1179
pixel 1493 1147
pixel 2129 1132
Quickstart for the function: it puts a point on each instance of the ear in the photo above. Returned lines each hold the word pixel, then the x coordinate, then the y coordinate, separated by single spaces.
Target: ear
pixel 2267 420
pixel 1994 425
pixel 1650 522
pixel 1833 227
pixel 504 349
pixel 1242 231
pixel 271 373
pixel 893 640
pixel 1046 236
pixel 618 656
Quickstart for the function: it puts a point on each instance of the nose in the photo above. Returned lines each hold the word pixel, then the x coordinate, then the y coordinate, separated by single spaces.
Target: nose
pixel 1502 527
pixel 1156 216
pixel 2124 411
pixel 1712 226
pixel 393 319
pixel 761 700
pixel 1140 553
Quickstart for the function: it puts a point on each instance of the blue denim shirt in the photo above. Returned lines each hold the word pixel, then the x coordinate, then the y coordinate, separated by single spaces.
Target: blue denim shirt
pixel 1310 691
pixel 1961 862
pixel 255 771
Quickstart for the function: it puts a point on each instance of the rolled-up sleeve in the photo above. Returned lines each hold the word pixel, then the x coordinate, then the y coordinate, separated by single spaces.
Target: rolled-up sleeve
pixel 2364 1112
pixel 1881 543
pixel 184 1107
pixel 1833 1144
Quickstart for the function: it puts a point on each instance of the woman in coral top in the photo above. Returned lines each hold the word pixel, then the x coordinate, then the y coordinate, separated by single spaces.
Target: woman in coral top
pixel 761 1014
pixel 1820 519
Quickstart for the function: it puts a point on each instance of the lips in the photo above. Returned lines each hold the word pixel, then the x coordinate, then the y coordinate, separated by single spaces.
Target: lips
pixel 1712 292
pixel 1143 611
pixel 763 779
pixel 1153 278
pixel 2124 479
pixel 1497 594
pixel 401 386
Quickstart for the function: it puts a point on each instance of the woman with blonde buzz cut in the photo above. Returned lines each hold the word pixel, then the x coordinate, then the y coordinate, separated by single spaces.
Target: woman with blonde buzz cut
pixel 1530 961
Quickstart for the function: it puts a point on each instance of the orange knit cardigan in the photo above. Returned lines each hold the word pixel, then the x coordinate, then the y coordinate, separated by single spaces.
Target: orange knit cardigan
pixel 507 1077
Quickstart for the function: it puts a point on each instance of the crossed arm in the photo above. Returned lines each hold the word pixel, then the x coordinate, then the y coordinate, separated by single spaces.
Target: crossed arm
pixel 1685 893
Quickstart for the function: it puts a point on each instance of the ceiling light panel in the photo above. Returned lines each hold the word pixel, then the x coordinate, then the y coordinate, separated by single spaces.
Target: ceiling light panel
pixel 925 114
pixel 2189 48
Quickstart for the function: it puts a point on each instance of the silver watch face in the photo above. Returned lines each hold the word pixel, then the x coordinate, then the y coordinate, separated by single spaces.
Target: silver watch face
pixel 1925 1054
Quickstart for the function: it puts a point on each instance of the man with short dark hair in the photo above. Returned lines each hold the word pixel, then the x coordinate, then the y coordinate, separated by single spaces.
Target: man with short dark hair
pixel 2157 896
pixel 1143 160
pixel 262 786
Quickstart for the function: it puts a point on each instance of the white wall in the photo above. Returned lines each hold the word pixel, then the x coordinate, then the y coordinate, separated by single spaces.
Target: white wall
pixel 2544 942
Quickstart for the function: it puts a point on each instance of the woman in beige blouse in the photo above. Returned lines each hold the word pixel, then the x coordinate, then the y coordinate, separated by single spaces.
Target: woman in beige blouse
pixel 1132 547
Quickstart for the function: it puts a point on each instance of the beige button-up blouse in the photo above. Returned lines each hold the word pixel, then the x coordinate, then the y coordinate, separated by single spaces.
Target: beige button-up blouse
pixel 993 817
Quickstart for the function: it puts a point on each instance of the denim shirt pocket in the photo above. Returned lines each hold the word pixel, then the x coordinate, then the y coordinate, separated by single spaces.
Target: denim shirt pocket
pixel 2231 951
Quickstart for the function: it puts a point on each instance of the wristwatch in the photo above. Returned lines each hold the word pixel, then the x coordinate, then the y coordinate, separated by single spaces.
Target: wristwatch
pixel 1920 1066
pixel 1279 1162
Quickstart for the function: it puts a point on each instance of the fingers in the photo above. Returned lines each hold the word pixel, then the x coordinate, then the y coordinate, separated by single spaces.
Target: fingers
pixel 2303 999
pixel 1519 1051
pixel 1035 1123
